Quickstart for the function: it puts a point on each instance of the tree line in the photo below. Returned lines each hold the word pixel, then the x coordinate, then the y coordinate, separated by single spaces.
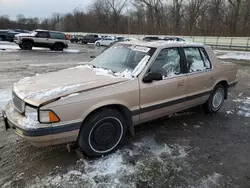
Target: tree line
pixel 152 17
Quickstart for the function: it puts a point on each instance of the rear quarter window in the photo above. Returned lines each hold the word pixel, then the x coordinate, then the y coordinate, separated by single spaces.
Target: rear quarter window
pixel 57 36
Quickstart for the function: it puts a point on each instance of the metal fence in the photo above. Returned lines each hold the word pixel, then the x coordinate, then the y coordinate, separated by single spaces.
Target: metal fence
pixel 232 43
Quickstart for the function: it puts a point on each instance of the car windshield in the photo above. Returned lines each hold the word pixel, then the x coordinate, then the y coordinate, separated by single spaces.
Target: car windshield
pixel 121 57
pixel 33 33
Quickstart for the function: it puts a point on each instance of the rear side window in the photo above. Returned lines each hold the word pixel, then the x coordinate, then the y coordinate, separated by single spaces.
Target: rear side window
pixel 57 36
pixel 197 59
pixel 42 35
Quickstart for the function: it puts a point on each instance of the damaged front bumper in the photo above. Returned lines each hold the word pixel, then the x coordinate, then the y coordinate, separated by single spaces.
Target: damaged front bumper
pixel 39 136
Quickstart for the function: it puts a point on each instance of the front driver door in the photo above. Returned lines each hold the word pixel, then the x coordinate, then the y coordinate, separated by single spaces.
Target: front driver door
pixel 166 96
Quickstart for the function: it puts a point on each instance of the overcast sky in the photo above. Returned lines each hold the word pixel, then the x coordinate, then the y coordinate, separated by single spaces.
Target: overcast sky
pixel 39 8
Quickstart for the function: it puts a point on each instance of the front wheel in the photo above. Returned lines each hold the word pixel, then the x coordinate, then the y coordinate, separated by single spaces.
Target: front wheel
pixel 20 46
pixel 216 100
pixel 102 132
pixel 98 44
pixel 27 46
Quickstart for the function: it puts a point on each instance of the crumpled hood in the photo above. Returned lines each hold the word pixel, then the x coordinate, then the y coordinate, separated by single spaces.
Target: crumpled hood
pixel 43 88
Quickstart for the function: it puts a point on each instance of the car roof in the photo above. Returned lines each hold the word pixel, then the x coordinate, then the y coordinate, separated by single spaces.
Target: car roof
pixel 42 30
pixel 162 43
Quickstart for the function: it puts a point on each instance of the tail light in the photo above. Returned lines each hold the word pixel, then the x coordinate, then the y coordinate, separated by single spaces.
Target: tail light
pixel 67 37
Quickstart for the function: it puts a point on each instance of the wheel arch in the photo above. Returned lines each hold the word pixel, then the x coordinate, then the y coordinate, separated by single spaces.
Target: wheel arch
pixel 120 108
pixel 28 40
pixel 225 84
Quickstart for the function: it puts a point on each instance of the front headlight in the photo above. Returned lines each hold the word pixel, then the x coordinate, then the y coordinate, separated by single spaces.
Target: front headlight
pixel 31 112
pixel 48 116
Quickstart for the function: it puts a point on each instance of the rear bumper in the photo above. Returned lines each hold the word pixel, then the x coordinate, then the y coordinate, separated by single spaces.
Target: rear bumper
pixel 42 136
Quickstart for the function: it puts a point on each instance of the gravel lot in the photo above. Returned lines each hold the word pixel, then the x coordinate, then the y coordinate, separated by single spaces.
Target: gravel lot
pixel 188 149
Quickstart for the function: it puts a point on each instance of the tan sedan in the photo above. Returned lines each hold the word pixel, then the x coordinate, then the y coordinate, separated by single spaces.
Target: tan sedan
pixel 130 83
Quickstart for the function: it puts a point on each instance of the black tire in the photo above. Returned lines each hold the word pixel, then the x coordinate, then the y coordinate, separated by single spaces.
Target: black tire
pixel 102 132
pixel 58 47
pixel 20 46
pixel 52 48
pixel 27 45
pixel 216 100
pixel 98 44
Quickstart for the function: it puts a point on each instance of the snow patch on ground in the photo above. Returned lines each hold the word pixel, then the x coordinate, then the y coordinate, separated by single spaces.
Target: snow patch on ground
pixel 209 181
pixel 235 55
pixel 48 64
pixel 5 96
pixel 10 47
pixel 143 164
pixel 243 106
pixel 124 168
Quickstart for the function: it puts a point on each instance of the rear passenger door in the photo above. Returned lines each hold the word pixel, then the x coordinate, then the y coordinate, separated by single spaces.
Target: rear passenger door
pixel 199 75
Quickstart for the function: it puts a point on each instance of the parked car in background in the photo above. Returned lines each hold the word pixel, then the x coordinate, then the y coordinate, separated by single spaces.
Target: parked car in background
pixel 128 84
pixel 107 41
pixel 54 40
pixel 3 35
pixel 11 34
pixel 151 38
pixel 89 39
pixel 76 38
pixel 173 39
pixel 119 39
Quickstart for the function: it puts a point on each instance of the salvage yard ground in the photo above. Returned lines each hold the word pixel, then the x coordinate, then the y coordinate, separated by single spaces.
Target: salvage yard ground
pixel 188 149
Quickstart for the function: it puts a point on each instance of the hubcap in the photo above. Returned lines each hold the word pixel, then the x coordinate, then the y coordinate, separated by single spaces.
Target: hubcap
pixel 105 134
pixel 218 98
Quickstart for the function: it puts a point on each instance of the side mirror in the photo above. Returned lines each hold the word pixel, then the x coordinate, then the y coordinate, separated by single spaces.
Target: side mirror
pixel 152 76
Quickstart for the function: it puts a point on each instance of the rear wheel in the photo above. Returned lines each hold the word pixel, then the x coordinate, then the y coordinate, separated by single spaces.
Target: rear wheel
pixel 102 132
pixel 215 100
pixel 27 46
pixel 58 47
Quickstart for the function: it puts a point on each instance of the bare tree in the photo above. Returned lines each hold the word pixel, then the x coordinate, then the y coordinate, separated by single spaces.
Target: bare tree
pixel 236 5
pixel 194 9
pixel 177 17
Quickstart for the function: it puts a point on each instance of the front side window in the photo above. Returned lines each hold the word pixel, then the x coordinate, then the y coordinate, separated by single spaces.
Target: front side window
pixel 167 63
pixel 196 60
pixel 42 35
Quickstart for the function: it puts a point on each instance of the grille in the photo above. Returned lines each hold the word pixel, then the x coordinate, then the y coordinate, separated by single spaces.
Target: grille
pixel 18 103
